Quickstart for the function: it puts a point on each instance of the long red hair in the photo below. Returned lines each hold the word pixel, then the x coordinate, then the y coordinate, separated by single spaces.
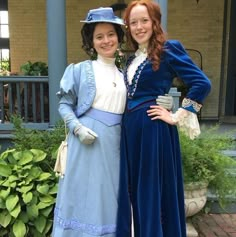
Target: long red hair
pixel 158 38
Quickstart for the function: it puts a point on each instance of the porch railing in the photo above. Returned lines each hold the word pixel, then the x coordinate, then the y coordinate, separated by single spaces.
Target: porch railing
pixel 27 97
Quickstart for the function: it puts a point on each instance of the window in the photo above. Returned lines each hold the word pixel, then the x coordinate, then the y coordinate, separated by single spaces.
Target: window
pixel 4 31
pixel 4 34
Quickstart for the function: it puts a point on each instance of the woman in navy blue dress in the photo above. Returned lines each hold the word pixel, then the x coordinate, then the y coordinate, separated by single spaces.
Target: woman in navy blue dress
pixel 151 184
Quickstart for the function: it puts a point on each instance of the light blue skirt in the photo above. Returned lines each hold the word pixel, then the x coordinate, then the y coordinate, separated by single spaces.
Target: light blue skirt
pixel 86 202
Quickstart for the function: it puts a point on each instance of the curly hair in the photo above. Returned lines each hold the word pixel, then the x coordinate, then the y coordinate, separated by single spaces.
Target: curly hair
pixel 87 36
pixel 158 38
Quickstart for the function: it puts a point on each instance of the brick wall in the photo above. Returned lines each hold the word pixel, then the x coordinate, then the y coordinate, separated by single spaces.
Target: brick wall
pixel 28 35
pixel 198 26
pixel 28 32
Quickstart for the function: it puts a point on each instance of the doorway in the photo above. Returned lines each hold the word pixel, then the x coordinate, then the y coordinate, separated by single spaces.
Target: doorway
pixel 230 100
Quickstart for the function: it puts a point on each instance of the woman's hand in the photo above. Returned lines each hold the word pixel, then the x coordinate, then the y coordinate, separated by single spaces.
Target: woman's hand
pixel 158 112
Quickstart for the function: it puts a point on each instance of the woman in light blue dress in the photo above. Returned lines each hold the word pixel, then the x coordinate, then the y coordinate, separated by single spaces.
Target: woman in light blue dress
pixel 92 99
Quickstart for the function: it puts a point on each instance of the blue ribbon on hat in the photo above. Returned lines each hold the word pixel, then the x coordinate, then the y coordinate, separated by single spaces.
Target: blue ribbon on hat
pixel 103 14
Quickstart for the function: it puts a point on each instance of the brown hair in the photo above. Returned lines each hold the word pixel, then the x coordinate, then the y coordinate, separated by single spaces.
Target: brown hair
pixel 87 35
pixel 158 38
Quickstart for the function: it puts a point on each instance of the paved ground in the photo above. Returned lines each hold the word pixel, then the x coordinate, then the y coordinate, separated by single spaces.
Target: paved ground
pixel 215 225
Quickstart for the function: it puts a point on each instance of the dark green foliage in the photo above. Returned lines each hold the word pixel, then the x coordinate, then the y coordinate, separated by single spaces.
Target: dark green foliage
pixel 28 184
pixel 204 161
pixel 27 194
pixel 45 140
pixel 34 69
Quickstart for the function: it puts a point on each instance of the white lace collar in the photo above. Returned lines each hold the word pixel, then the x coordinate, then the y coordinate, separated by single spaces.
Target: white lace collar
pixel 142 50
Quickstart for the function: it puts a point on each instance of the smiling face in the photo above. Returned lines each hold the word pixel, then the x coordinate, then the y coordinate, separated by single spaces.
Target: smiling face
pixel 140 24
pixel 105 40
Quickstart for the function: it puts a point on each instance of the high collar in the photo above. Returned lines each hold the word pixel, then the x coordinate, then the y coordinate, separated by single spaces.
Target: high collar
pixel 142 50
pixel 105 60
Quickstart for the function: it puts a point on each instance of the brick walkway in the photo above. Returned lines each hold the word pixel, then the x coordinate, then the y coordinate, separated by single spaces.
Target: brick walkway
pixel 215 225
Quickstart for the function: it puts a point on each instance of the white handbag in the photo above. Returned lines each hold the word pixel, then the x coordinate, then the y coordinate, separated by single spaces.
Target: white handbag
pixel 60 165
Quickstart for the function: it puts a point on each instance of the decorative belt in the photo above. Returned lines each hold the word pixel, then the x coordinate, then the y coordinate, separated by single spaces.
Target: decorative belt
pixel 142 105
pixel 107 118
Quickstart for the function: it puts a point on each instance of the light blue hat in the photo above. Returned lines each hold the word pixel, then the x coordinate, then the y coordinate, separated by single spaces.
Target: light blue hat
pixel 103 14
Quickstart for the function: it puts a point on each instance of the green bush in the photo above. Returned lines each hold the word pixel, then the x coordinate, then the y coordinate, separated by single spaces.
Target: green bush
pixel 34 69
pixel 5 65
pixel 45 140
pixel 204 161
pixel 27 194
pixel 28 184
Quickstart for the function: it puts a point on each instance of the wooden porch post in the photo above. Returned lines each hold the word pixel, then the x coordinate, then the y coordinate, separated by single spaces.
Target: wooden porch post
pixel 57 52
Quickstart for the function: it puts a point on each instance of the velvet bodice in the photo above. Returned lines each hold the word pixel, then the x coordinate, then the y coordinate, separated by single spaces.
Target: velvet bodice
pixel 175 62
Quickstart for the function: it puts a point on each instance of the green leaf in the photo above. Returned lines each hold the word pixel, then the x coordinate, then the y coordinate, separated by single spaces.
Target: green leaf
pixel 25 189
pixel 35 172
pixel 47 199
pixel 12 178
pixel 32 211
pixel 29 179
pixel 44 176
pixel 2 204
pixel 15 212
pixel 34 232
pixel 27 197
pixel 5 218
pixel 40 223
pixel 46 211
pixel 21 183
pixel 11 202
pixel 4 193
pixel 42 205
pixel 48 227
pixel 6 183
pixel 24 157
pixel 43 189
pixel 35 199
pixel 6 153
pixel 27 167
pixel 24 217
pixel 19 228
pixel 54 189
pixel 3 162
pixel 5 170
pixel 39 155
pixel 12 184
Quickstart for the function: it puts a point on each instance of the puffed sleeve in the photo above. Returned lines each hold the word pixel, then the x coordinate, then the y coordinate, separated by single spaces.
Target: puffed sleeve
pixel 68 97
pixel 184 68
pixel 198 85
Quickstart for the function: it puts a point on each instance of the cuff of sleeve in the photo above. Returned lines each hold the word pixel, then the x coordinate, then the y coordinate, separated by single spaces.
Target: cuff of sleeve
pixel 191 105
pixel 187 122
pixel 71 121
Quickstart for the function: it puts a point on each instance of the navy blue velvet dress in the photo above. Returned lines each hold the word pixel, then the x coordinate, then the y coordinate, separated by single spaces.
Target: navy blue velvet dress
pixel 151 171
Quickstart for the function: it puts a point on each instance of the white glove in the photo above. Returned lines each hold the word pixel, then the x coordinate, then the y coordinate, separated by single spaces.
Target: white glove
pixel 86 135
pixel 165 101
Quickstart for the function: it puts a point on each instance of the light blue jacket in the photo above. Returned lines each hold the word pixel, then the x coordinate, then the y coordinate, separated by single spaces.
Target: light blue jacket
pixel 77 92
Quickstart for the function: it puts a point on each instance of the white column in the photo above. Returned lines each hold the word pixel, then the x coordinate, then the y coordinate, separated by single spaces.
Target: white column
pixel 164 10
